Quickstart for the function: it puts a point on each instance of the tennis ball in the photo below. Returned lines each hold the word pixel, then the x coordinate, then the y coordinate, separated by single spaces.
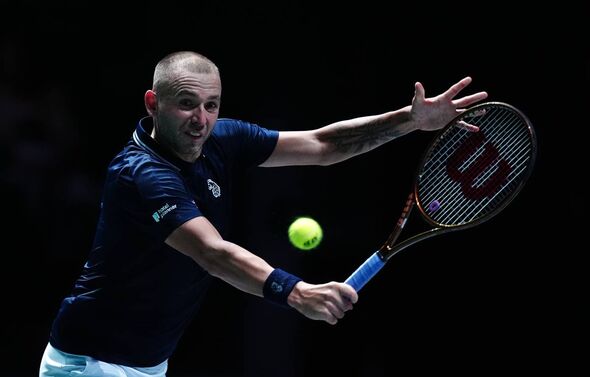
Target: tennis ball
pixel 305 233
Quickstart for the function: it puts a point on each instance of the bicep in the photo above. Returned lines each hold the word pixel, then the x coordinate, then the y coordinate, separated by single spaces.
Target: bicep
pixel 296 148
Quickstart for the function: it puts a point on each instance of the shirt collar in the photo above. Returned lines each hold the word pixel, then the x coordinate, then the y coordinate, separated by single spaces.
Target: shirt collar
pixel 142 137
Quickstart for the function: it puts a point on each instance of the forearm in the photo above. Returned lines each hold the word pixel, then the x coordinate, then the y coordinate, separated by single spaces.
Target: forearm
pixel 199 240
pixel 342 140
pixel 236 266
pixel 349 138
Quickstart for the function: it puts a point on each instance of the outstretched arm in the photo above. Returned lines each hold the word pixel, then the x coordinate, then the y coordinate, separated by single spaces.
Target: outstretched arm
pixel 198 239
pixel 342 140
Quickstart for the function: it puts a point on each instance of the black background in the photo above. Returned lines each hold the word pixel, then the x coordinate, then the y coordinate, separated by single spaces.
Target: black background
pixel 505 296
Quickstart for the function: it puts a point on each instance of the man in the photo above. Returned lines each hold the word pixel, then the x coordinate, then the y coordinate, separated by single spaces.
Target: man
pixel 163 222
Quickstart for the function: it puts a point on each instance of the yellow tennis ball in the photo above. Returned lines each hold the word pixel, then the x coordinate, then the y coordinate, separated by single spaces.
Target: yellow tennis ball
pixel 305 233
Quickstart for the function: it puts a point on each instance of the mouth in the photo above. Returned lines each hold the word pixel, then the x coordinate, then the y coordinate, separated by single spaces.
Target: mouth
pixel 194 135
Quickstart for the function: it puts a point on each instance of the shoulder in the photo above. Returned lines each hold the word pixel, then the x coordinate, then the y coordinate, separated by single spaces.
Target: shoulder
pixel 134 161
pixel 235 127
pixel 229 126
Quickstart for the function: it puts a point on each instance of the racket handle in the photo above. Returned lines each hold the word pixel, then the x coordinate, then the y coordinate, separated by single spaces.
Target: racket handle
pixel 365 272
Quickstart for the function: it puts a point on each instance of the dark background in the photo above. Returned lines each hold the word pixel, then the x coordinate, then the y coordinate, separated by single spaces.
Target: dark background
pixel 505 296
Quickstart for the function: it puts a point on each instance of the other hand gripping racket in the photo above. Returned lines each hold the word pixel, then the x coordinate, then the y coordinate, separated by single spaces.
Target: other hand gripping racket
pixel 465 178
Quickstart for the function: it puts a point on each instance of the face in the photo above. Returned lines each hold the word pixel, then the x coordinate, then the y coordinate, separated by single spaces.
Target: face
pixel 185 114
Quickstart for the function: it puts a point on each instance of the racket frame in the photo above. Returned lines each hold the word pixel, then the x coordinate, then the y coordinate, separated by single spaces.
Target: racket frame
pixel 377 260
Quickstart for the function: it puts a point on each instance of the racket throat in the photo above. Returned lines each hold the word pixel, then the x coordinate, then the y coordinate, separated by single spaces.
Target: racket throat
pixel 387 250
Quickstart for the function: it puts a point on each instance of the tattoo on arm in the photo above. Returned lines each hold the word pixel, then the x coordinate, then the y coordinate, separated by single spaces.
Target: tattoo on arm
pixel 355 140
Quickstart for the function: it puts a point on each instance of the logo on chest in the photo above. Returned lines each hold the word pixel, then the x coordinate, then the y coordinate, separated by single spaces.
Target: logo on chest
pixel 214 188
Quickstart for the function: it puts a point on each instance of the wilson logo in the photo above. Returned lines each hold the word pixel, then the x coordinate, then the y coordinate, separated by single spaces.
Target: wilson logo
pixel 488 159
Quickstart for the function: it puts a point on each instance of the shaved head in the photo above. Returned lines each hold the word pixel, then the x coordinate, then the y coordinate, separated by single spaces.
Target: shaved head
pixel 168 69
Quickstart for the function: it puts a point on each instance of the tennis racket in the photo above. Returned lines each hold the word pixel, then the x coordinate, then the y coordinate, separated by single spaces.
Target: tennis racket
pixel 465 178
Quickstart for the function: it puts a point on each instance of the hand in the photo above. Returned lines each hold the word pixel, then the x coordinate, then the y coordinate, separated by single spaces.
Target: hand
pixel 326 302
pixel 434 113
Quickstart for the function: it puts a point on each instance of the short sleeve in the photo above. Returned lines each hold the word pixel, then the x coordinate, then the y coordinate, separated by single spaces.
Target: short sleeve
pixel 248 144
pixel 163 192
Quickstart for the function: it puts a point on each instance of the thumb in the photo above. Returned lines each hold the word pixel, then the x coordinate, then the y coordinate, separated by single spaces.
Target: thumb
pixel 419 93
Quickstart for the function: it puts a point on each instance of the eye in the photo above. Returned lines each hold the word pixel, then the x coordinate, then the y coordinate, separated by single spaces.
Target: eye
pixel 186 103
pixel 211 106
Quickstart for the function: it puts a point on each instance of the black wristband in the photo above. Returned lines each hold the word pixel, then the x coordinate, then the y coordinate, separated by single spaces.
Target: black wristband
pixel 278 286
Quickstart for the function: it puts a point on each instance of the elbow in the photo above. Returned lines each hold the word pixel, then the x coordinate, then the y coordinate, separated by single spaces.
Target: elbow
pixel 331 157
pixel 212 258
pixel 328 155
pixel 326 161
pixel 331 151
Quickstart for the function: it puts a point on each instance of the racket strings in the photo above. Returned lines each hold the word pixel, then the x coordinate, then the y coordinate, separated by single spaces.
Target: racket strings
pixel 462 210
pixel 441 155
pixel 436 181
pixel 473 209
pixel 512 146
pixel 506 135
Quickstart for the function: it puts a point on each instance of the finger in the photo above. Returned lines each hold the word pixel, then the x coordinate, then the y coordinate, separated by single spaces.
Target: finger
pixel 344 304
pixel 336 312
pixel 348 297
pixel 347 306
pixel 350 294
pixel 419 93
pixel 335 307
pixel 467 126
pixel 330 318
pixel 471 99
pixel 456 88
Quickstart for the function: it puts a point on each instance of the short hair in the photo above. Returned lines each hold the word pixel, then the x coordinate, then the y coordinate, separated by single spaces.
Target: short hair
pixel 168 67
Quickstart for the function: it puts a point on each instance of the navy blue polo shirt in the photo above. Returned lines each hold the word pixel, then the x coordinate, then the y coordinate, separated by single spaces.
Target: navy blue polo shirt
pixel 136 295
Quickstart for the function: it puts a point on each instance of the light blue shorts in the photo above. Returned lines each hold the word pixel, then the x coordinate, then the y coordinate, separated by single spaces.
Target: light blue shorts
pixel 56 363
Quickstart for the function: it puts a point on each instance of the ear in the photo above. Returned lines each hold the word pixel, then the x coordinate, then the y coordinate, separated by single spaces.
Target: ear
pixel 151 102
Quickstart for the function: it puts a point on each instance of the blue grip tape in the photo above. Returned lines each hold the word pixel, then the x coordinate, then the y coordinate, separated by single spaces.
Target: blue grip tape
pixel 365 272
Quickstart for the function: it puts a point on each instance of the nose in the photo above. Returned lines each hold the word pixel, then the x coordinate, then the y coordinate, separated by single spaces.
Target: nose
pixel 200 115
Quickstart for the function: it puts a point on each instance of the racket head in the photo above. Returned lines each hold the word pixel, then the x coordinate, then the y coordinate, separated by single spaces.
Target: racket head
pixel 465 177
